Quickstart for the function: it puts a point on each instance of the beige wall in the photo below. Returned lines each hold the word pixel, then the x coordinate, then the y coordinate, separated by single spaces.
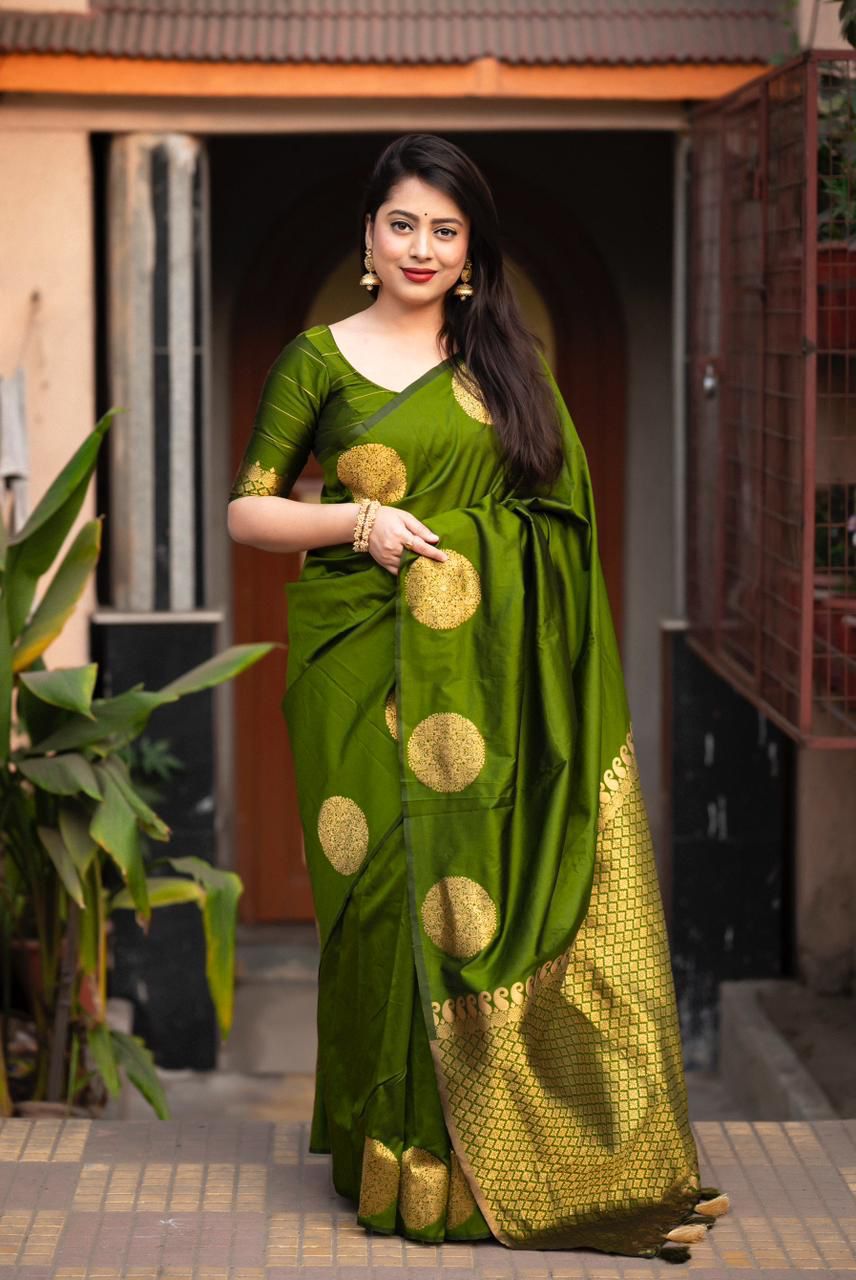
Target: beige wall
pixel 44 6
pixel 47 315
pixel 818 25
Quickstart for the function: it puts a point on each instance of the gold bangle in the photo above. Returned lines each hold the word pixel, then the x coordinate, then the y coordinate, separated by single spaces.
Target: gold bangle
pixel 371 512
pixel 362 540
pixel 361 519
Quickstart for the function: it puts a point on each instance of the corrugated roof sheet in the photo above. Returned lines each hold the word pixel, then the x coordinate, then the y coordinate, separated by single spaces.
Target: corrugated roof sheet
pixel 413 31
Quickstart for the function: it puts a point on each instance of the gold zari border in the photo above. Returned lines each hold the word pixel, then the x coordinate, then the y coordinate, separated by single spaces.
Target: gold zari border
pixel 564 1093
pixel 458 1015
pixel 255 480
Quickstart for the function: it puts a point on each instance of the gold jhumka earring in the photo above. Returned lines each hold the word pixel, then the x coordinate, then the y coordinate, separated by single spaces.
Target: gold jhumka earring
pixel 370 279
pixel 464 289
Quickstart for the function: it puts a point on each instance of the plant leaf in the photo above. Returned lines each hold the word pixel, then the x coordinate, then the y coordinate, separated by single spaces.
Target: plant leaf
pixel 117 721
pixel 62 860
pixel 105 1056
pixel 35 717
pixel 65 775
pixel 6 680
pixel 114 828
pixel 121 719
pixel 67 687
pixel 221 667
pixel 147 818
pixel 91 921
pixel 219 917
pixel 132 1054
pixel 63 592
pixel 6 505
pixel 164 891
pixel 74 829
pixel 33 549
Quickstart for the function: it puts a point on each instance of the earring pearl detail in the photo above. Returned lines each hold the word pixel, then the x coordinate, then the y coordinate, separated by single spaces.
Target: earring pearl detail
pixel 464 289
pixel 370 279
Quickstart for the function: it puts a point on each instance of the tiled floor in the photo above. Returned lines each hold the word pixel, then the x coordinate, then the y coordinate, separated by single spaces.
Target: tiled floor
pixel 242 1200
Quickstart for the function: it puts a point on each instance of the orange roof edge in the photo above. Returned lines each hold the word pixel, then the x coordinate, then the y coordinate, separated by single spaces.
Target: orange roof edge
pixel 482 78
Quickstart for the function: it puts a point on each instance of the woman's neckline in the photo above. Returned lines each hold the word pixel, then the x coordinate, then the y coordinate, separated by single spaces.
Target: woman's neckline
pixel 434 367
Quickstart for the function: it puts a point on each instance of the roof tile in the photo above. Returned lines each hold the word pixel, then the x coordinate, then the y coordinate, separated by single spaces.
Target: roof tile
pixel 413 31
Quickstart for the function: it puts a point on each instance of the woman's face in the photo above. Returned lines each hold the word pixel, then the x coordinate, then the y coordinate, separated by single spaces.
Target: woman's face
pixel 418 227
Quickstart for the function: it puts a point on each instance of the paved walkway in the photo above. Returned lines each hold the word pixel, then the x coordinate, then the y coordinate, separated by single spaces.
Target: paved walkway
pixel 242 1200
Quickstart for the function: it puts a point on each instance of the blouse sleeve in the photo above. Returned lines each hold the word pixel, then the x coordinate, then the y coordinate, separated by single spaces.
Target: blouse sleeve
pixel 284 426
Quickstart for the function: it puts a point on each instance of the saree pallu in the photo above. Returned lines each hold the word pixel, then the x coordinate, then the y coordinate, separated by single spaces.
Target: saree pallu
pixel 499 1049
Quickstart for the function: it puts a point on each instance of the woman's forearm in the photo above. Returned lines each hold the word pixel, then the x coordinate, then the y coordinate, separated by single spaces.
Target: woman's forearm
pixel 283 524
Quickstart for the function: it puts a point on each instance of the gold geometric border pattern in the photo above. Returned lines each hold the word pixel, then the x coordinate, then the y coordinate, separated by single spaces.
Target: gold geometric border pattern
pixel 257 481
pixel 579 1067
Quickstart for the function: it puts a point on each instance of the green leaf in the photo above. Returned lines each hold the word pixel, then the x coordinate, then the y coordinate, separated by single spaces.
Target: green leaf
pixel 164 891
pixel 147 818
pixel 132 1054
pixel 6 502
pixel 74 829
pixel 33 549
pixel 36 718
pixel 114 828
pixel 91 921
pixel 65 775
pixel 117 721
pixel 62 860
pixel 219 916
pixel 105 1056
pixel 5 681
pixel 67 687
pixel 223 666
pixel 58 602
pixel 121 719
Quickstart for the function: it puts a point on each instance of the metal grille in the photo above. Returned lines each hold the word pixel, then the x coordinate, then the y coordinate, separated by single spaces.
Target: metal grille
pixel 771 560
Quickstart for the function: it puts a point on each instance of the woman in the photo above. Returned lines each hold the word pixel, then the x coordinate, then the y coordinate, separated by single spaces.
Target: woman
pixel 499 1053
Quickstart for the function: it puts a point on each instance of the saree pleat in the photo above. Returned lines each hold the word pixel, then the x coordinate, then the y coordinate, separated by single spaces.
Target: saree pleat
pixel 377 1108
pixel 499 1049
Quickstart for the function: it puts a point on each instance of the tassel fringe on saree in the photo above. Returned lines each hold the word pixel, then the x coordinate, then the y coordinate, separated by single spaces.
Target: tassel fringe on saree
pixel 499 1050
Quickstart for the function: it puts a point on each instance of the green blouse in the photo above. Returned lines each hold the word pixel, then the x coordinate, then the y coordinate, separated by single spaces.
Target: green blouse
pixel 310 389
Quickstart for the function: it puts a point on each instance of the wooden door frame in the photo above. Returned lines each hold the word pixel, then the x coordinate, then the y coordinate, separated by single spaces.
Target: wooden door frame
pixel 270 307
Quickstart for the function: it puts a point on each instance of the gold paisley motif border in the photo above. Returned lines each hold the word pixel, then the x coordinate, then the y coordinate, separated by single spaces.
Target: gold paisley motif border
pixel 458 1015
pixel 617 781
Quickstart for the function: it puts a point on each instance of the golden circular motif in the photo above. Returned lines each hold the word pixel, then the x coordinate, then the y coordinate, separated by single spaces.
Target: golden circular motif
pixel 462 1203
pixel 424 1187
pixel 442 593
pixel 446 751
pixel 390 714
pixel 373 471
pixel 379 1181
pixel 472 405
pixel 459 916
pixel 344 833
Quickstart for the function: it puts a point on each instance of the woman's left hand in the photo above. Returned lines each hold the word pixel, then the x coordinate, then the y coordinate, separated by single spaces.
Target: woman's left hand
pixel 394 531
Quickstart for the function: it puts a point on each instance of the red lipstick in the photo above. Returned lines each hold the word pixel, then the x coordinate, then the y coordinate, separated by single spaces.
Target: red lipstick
pixel 418 277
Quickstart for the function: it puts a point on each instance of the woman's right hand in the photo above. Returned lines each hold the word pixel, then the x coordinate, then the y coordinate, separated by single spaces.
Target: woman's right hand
pixel 395 531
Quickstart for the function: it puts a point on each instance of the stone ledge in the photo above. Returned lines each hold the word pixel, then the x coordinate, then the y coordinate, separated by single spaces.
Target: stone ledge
pixel 756 1063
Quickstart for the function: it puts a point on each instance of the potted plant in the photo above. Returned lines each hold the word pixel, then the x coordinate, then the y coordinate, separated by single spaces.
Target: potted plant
pixel 73 820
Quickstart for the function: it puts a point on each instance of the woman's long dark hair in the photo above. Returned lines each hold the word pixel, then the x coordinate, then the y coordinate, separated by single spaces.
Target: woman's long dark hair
pixel 486 330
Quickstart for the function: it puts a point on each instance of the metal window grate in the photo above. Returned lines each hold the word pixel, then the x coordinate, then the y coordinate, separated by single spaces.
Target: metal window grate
pixel 771 590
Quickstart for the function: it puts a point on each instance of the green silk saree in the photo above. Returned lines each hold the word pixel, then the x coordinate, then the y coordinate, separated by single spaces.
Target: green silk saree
pixel 499 1050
